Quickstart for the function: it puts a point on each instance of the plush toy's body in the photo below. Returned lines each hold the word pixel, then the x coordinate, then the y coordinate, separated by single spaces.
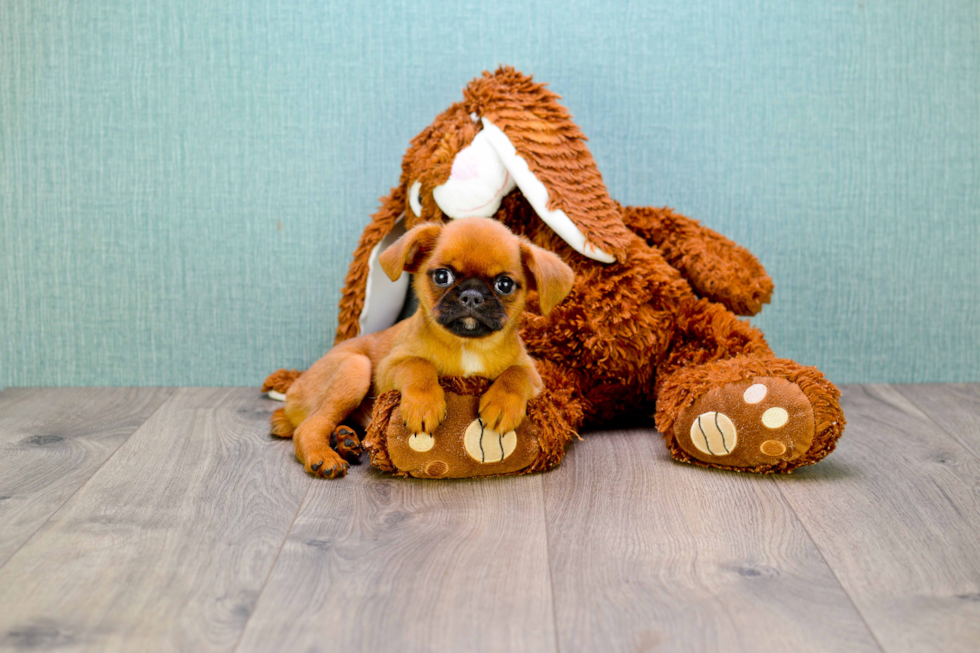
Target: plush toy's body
pixel 650 326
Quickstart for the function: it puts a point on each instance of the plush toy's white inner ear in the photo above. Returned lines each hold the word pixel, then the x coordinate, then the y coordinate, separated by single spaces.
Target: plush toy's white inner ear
pixel 537 194
pixel 413 198
pixel 383 298
pixel 477 183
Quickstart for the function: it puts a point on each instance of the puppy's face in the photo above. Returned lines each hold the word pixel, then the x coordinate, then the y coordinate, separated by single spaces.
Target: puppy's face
pixel 473 283
pixel 472 275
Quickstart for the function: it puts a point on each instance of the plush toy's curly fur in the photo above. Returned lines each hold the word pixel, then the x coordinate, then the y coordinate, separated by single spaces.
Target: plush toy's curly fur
pixel 652 332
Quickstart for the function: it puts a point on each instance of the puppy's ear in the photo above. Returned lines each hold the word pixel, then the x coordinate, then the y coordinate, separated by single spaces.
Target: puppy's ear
pixel 547 274
pixel 408 252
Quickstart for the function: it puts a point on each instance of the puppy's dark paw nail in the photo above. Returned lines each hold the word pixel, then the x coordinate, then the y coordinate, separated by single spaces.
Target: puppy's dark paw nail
pixel 352 456
pixel 316 466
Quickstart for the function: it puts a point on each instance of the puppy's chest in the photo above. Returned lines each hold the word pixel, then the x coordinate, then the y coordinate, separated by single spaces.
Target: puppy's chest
pixel 467 361
pixel 463 360
pixel 472 363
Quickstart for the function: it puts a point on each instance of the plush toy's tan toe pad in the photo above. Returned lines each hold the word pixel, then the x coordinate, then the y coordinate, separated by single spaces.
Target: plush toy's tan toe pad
pixel 462 446
pixel 751 423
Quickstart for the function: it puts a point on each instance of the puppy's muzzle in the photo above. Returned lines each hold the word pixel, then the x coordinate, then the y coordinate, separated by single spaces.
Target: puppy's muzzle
pixel 470 310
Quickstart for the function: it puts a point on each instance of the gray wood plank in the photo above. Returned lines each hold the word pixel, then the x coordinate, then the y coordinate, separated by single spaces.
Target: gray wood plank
pixel 378 563
pixel 169 543
pixel 953 406
pixel 52 440
pixel 651 554
pixel 896 513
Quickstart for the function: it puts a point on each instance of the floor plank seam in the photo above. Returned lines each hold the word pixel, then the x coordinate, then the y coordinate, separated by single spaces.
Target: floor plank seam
pixel 939 426
pixel 826 562
pixel 93 475
pixel 275 561
pixel 551 573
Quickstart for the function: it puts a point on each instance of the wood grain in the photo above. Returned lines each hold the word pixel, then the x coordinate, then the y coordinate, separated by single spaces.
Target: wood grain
pixel 953 406
pixel 650 554
pixel 168 545
pixel 52 440
pixel 194 534
pixel 379 563
pixel 896 513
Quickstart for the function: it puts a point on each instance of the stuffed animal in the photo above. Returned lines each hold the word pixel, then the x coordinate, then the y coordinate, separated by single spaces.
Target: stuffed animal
pixel 650 327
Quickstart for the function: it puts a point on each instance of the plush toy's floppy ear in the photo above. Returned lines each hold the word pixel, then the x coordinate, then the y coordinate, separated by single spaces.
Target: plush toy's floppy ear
pixel 370 301
pixel 547 274
pixel 545 153
pixel 409 252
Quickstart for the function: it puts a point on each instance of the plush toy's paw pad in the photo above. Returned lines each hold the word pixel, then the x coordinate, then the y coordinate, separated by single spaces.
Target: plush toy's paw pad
pixel 421 442
pixel 713 433
pixel 484 445
pixel 753 423
pixel 348 445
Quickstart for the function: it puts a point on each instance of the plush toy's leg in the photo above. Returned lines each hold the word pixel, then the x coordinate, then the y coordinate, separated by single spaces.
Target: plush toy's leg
pixel 463 447
pixel 715 267
pixel 724 400
pixel 557 412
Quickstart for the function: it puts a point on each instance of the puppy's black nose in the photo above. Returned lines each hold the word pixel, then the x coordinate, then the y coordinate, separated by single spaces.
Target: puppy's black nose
pixel 471 298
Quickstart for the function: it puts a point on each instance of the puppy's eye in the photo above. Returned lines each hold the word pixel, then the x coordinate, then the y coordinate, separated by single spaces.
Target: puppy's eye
pixel 415 198
pixel 443 277
pixel 504 285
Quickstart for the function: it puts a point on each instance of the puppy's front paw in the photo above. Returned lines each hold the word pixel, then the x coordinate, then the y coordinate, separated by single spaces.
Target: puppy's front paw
pixel 313 450
pixel 423 409
pixel 502 411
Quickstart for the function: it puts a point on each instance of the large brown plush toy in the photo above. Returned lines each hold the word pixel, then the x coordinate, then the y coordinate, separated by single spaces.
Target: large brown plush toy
pixel 650 327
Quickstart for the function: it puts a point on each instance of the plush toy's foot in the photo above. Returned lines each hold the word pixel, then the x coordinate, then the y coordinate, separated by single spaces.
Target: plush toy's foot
pixel 755 423
pixel 463 445
pixel 749 414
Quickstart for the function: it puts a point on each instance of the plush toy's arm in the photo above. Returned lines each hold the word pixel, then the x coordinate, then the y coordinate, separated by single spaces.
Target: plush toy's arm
pixel 716 267
pixel 355 285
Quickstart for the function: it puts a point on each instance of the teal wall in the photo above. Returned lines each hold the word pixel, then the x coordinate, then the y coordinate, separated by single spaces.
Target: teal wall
pixel 182 182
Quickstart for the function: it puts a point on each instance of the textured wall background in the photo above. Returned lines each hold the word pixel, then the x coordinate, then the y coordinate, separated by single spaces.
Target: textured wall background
pixel 182 181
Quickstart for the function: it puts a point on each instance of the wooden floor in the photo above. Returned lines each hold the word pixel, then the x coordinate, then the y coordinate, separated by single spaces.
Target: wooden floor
pixel 167 519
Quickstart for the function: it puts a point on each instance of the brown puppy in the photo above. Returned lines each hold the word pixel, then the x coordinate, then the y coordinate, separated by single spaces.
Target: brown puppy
pixel 471 278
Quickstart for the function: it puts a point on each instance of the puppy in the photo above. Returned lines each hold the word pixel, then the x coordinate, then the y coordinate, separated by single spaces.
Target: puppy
pixel 472 277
